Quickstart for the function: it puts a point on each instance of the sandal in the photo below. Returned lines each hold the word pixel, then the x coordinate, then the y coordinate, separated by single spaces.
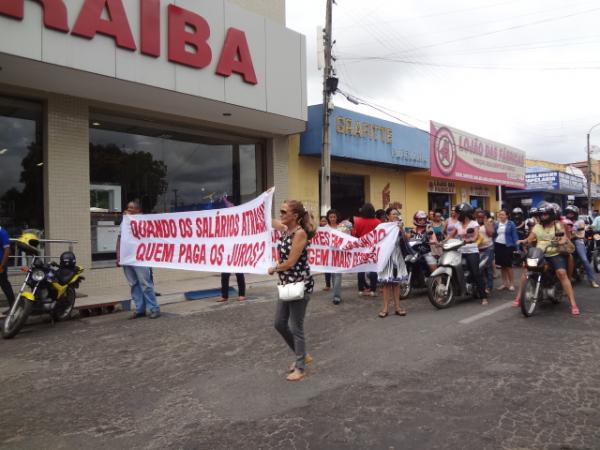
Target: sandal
pixel 222 299
pixel 516 303
pixel 501 288
pixel 307 360
pixel 296 375
pixel 484 302
pixel 400 312
pixel 574 311
pixel 594 284
pixel 511 288
pixel 383 314
pixel 241 298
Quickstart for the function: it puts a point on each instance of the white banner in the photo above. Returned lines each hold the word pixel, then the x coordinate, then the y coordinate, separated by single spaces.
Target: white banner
pixel 236 239
pixel 332 251
pixel 241 239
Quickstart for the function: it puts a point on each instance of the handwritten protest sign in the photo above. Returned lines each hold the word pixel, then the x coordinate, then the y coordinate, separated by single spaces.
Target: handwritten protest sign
pixel 236 239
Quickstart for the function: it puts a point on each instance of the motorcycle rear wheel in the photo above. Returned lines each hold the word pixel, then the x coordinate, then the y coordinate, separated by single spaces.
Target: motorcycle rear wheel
pixel 435 287
pixel 64 307
pixel 529 302
pixel 596 259
pixel 17 317
pixel 405 289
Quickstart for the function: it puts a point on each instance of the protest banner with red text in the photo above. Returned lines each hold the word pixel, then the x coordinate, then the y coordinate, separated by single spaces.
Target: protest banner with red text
pixel 333 251
pixel 236 239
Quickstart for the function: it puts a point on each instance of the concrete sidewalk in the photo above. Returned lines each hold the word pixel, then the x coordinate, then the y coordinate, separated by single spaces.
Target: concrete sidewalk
pixel 170 292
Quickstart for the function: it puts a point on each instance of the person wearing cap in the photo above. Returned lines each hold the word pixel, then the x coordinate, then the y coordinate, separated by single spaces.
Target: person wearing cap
pixel 4 254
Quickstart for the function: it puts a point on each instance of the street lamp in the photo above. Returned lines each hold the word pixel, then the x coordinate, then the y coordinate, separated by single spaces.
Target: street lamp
pixel 589 177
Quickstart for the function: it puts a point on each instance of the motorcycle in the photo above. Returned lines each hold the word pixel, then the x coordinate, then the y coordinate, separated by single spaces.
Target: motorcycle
pixel 593 240
pixel 416 265
pixel 452 278
pixel 541 283
pixel 49 288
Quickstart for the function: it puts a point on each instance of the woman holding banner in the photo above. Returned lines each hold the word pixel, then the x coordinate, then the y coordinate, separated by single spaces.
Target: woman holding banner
pixel 297 230
pixel 394 272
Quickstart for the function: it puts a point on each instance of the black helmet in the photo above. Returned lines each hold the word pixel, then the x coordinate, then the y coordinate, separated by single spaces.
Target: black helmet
pixel 547 208
pixel 67 259
pixel 464 210
pixel 533 212
pixel 573 209
pixel 557 209
pixel 517 211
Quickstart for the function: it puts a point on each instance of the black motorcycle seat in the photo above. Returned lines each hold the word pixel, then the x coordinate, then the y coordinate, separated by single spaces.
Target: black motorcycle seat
pixel 64 275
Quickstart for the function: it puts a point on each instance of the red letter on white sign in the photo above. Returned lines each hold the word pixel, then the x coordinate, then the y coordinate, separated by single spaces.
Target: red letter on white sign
pixel 235 57
pixel 90 22
pixel 179 38
pixel 150 28
pixel 55 12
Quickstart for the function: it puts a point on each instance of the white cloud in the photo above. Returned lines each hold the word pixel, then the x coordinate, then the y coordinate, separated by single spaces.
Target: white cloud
pixel 537 97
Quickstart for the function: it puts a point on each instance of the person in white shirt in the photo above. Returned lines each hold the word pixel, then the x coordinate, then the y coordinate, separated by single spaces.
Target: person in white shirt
pixel 467 229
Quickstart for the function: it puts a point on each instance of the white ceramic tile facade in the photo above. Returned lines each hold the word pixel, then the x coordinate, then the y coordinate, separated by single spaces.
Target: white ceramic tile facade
pixel 237 91
pixel 140 68
pixel 278 56
pixel 23 38
pixel 204 82
pixel 284 95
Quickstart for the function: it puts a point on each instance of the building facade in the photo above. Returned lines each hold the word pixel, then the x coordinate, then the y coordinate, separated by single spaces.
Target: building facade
pixel 182 104
pixel 376 161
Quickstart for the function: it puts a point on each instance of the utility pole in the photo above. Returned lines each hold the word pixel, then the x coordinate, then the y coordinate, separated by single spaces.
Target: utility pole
pixel 328 90
pixel 589 176
pixel 589 171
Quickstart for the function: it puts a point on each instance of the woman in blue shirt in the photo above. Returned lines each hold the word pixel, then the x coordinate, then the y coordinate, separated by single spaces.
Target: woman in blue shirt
pixel 505 243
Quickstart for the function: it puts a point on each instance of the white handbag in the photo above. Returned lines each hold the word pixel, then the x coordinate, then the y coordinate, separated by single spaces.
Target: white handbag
pixel 291 291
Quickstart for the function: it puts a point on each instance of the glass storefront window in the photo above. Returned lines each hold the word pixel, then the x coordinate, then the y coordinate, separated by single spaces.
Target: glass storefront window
pixel 167 170
pixel 21 166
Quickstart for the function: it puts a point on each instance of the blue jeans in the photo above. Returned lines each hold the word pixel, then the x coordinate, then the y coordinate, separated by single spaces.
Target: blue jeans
pixel 336 279
pixel 489 267
pixel 580 247
pixel 142 288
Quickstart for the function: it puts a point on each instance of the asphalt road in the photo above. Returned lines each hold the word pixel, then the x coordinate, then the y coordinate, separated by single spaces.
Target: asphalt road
pixel 208 376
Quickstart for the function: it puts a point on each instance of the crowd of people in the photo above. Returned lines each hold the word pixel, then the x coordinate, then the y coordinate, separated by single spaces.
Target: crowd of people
pixel 495 237
pixel 500 237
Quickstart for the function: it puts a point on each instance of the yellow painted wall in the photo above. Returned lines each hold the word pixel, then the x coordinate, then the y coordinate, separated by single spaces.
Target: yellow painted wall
pixel 417 188
pixel 303 173
pixel 549 165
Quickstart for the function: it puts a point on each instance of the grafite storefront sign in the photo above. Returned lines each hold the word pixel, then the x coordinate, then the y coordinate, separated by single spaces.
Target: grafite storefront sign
pixel 361 137
pixel 187 34
pixel 457 155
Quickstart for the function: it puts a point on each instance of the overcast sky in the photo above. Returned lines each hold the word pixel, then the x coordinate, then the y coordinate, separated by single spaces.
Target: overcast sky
pixel 525 73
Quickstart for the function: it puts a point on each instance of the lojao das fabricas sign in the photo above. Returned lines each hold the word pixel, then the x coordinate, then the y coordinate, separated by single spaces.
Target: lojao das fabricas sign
pixel 188 33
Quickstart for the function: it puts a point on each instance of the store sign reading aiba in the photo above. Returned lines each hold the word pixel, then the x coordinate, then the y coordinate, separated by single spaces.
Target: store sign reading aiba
pixel 188 32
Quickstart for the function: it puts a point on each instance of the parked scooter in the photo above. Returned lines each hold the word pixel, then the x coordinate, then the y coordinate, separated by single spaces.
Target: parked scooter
pixel 49 288
pixel 452 278
pixel 542 282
